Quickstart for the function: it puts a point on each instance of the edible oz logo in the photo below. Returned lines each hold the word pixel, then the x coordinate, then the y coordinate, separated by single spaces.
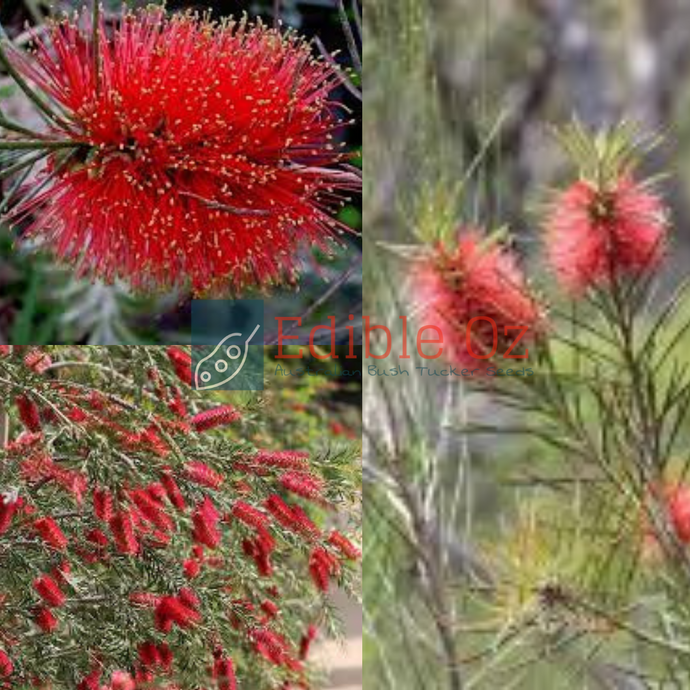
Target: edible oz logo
pixel 228 344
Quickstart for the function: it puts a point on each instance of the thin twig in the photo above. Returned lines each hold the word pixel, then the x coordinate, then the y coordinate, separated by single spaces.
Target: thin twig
pixel 95 45
pixel 349 36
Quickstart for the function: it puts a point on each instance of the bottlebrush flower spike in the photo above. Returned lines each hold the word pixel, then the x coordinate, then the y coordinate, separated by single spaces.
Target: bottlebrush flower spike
pixel 51 533
pixel 344 545
pixel 607 224
pixel 302 484
pixel 594 235
pixel 28 413
pixel 322 566
pixel 37 360
pixel 46 620
pixel 283 459
pixel 475 277
pixel 6 665
pixel 122 528
pixel 306 641
pixel 8 508
pixel 249 515
pixel 224 674
pixel 205 520
pixel 209 419
pixel 182 363
pixel 219 135
pixel 172 490
pixel 49 591
pixel 200 473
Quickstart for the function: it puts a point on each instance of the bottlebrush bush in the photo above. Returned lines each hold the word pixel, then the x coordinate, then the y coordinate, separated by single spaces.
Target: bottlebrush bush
pixel 559 559
pixel 141 547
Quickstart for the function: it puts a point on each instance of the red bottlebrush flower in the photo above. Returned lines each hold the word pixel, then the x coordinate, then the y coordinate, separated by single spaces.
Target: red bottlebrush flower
pixel 8 508
pixel 270 608
pixel 228 160
pixel 102 504
pixel 91 681
pixel 269 644
pixel 121 680
pixel 191 568
pixel 5 350
pixel 172 490
pixel 28 413
pixel 97 537
pixel 249 515
pixel 199 473
pixel 290 517
pixel 122 528
pixel 283 459
pixel 165 656
pixel 188 597
pixel 37 360
pixel 151 439
pixel 593 235
pixel 306 641
pixel 148 654
pixel 49 590
pixel 476 278
pixel 219 416
pixel 152 511
pixel 177 405
pixel 182 363
pixel 302 484
pixel 224 674
pixel 322 566
pixel 205 520
pixel 344 545
pixel 677 503
pixel 6 665
pixel 51 533
pixel 46 620
pixel 172 610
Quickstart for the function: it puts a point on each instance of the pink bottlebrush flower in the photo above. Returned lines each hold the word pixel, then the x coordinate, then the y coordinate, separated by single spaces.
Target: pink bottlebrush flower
pixel 102 504
pixel 28 413
pixel 593 235
pixel 172 490
pixel 51 533
pixel 306 641
pixel 23 443
pixel 322 566
pixel 46 620
pixel 218 416
pixel 205 520
pixel 5 350
pixel 8 507
pixel 182 363
pixel 37 360
pixel 122 528
pixel 302 484
pixel 249 515
pixel 49 591
pixel 476 277
pixel 202 151
pixel 121 680
pixel 200 473
pixel 224 673
pixel 344 545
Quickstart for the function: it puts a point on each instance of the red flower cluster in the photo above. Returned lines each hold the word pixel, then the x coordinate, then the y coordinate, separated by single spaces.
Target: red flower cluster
pixel 218 416
pixel 203 151
pixel 477 277
pixel 593 235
